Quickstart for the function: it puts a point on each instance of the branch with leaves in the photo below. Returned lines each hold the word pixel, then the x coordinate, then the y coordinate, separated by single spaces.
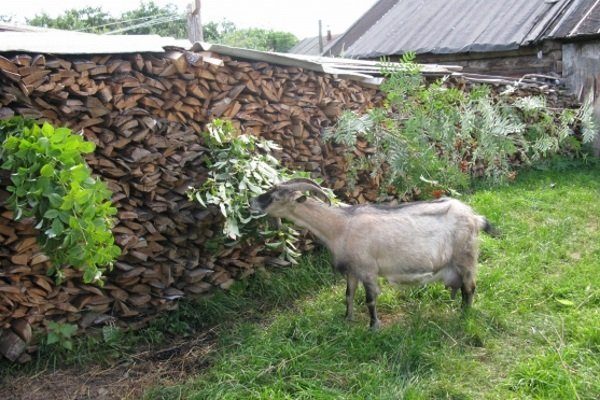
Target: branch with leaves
pixel 52 183
pixel 241 167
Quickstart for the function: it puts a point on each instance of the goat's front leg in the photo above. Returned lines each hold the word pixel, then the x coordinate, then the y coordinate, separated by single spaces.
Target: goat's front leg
pixel 372 291
pixel 351 283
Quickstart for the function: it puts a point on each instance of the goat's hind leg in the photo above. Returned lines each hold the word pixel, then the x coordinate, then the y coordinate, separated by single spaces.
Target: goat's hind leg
pixel 351 283
pixel 466 265
pixel 467 289
pixel 452 280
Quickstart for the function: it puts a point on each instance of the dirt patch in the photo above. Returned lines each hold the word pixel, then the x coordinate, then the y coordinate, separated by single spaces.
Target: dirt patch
pixel 127 379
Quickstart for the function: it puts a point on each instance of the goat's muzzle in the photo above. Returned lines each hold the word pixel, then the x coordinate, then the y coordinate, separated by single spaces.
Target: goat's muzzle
pixel 255 206
pixel 259 204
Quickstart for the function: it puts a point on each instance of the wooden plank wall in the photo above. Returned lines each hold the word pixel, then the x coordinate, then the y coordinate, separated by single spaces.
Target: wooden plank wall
pixel 581 63
pixel 545 59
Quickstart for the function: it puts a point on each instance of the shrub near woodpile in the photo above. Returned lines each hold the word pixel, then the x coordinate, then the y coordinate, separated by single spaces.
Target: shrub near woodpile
pixel 52 183
pixel 435 138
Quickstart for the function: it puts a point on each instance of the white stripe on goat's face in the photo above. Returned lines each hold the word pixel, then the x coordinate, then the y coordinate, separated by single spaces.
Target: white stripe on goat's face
pixel 276 202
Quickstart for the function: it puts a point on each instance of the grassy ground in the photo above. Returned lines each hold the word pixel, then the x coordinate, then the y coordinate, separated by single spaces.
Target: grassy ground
pixel 534 331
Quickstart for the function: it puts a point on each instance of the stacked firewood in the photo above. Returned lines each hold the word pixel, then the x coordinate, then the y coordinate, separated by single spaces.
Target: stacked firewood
pixel 145 113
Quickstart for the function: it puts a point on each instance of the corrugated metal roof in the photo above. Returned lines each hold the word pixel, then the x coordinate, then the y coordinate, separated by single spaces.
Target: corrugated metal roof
pixel 455 26
pixel 582 18
pixel 311 45
pixel 368 72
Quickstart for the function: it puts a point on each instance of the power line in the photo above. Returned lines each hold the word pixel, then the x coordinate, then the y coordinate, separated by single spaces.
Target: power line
pixel 157 21
pixel 121 22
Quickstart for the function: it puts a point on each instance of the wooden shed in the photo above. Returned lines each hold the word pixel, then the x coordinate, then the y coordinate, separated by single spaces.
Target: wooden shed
pixel 557 38
pixel 504 37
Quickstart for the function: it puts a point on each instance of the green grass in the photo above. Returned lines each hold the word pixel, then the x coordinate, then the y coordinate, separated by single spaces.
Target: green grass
pixel 534 331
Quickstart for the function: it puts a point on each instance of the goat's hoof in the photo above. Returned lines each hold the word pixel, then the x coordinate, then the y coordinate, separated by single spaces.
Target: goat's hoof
pixel 375 325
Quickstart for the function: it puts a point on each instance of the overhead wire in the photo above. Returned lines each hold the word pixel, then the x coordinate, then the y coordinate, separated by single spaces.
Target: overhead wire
pixel 157 21
pixel 121 22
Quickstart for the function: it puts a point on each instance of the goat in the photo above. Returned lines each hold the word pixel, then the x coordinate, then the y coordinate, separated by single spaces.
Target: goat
pixel 418 242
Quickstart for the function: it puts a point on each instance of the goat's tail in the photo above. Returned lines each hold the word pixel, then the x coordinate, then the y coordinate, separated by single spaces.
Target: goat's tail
pixel 487 227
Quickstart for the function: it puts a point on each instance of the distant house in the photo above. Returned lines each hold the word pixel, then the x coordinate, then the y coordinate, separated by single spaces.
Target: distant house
pixel 310 46
pixel 503 37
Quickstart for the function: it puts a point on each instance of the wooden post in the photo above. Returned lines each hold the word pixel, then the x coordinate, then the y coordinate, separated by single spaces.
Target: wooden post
pixel 320 37
pixel 195 33
pixel 596 142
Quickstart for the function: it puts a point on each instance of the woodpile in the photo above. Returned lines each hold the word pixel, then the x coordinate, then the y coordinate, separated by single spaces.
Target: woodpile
pixel 145 113
pixel 529 85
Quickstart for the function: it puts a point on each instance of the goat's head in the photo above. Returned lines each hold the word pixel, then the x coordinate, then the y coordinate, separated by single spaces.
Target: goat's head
pixel 277 200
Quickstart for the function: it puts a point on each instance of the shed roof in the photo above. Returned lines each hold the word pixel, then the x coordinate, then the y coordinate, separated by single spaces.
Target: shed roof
pixel 394 27
pixel 311 45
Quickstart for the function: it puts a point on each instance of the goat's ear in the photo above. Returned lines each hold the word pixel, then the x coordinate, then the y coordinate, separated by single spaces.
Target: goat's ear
pixel 301 199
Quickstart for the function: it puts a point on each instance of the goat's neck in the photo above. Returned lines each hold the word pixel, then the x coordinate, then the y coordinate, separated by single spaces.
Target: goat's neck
pixel 324 221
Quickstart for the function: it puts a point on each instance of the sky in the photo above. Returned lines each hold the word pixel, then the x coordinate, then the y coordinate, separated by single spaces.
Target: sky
pixel 299 17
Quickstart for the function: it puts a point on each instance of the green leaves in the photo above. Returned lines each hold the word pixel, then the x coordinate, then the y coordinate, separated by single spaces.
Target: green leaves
pixel 47 170
pixel 241 168
pixel 52 183
pixel 61 334
pixel 449 136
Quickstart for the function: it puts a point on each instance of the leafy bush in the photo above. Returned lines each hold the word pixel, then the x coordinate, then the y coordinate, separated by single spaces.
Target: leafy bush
pixel 61 334
pixel 432 137
pixel 241 167
pixel 52 183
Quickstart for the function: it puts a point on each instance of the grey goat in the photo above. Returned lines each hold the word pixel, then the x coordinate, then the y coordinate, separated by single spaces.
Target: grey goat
pixel 412 243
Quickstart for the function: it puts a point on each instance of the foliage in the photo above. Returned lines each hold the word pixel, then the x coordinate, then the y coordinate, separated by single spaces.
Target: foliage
pixel 52 183
pixel 214 32
pixel 167 20
pixel 432 137
pixel 175 24
pixel 91 19
pixel 260 39
pixel 241 167
pixel 148 18
pixel 61 334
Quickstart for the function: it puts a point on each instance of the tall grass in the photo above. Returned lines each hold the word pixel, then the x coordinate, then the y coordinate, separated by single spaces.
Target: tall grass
pixel 534 331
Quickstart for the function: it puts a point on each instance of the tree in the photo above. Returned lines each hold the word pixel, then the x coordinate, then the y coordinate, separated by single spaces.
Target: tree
pixel 150 18
pixel 174 22
pixel 260 39
pixel 215 31
pixel 91 19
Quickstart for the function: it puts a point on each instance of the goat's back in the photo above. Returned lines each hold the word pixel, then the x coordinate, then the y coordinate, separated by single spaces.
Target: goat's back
pixel 414 236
